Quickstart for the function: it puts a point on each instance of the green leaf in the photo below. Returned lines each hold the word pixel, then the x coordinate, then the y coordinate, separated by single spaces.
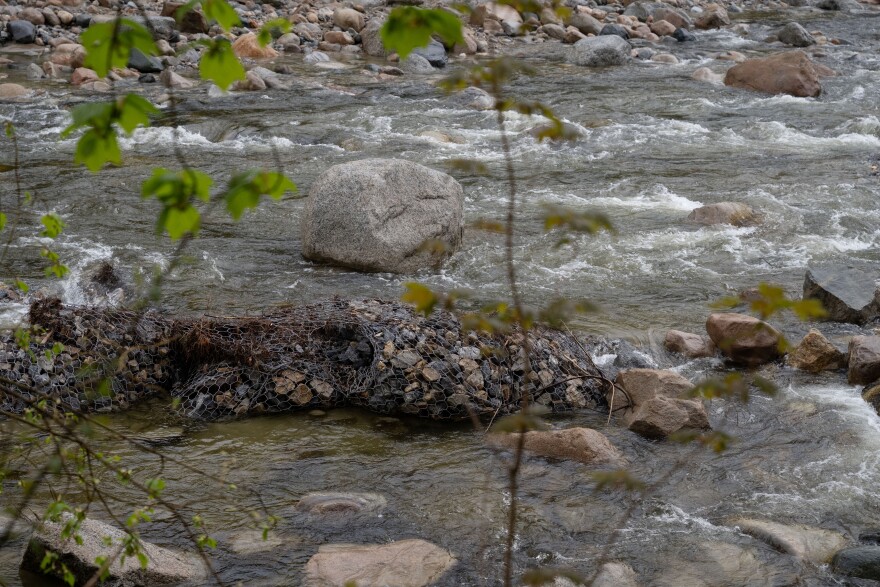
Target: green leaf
pixel 134 111
pixel 95 149
pixel 245 189
pixel 2 220
pixel 109 44
pixel 420 296
pixel 221 12
pixel 272 29
pixel 53 225
pixel 219 63
pixel 409 27
pixel 179 221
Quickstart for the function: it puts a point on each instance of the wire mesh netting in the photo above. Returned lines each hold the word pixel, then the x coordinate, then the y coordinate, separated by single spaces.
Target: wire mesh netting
pixel 379 355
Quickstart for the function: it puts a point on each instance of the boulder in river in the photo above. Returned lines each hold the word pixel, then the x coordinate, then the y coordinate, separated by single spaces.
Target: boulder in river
pixel 600 51
pixel 21 31
pixel 616 574
pixel 858 561
pixel 816 545
pixel 871 394
pixel 12 91
pixel 640 385
pixel 735 213
pixel 165 566
pixel 795 35
pixel 405 563
pixel 434 53
pixel 193 21
pixel 248 46
pixel 790 73
pixel 144 63
pixel 495 11
pixel 661 416
pixel 846 293
pixel 688 344
pixel 743 339
pixel 614 29
pixel 864 360
pixel 416 64
pixel 814 353
pixel 382 215
pixel 713 17
pixel 584 445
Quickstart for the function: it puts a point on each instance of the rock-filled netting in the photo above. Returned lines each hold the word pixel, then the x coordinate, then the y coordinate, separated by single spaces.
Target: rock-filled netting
pixel 380 355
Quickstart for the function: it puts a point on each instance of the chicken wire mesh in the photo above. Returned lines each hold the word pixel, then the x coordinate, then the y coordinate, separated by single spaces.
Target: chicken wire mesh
pixel 379 355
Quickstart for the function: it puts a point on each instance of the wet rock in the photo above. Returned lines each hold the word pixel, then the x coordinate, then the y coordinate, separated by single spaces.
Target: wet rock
pixel 790 73
pixel 144 63
pixel 678 18
pixel 666 58
pixel 846 293
pixel 734 213
pixel 864 360
pixel 601 51
pixel 376 215
pixel 434 53
pixel 166 566
pixel 683 36
pixel 641 385
pixel 812 544
pixel 406 563
pixel 193 21
pixel 371 40
pixel 497 12
pixel 661 416
pixel 348 18
pixel 583 445
pixel 316 57
pixel 839 5
pixel 871 394
pixel 341 503
pixel 858 561
pixel 21 31
pixel 795 35
pixel 247 46
pixel 616 574
pixel 251 542
pixel 585 23
pixel 338 38
pixel 12 91
pixel 614 29
pixel 704 74
pixel 688 344
pixel 176 81
pixel 744 339
pixel 82 75
pixel 34 72
pixel 713 17
pixel 719 564
pixel 815 353
pixel 663 28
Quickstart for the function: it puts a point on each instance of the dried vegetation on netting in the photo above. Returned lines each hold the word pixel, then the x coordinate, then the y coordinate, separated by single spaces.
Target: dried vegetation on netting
pixel 379 355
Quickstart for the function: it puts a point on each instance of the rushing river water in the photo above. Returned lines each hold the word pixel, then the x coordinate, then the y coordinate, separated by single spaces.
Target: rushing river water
pixel 654 145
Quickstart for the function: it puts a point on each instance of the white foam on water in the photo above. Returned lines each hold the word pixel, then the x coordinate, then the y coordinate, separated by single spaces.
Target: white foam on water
pixel 784 135
pixel 657 197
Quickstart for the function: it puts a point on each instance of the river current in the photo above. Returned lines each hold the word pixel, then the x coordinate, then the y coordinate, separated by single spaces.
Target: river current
pixel 654 144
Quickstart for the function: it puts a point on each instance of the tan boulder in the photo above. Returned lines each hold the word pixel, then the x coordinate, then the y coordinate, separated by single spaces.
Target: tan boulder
pixel 33 16
pixel 689 344
pixel 572 35
pixel 704 74
pixel 814 353
pixel 583 445
pixel 247 46
pixel 13 91
pixel 82 75
pixel 468 45
pixel 348 18
pixel 790 73
pixel 494 11
pixel 864 360
pixel 338 38
pixel 713 17
pixel 661 416
pixel 676 17
pixel 641 385
pixel 69 55
pixel 667 58
pixel 405 563
pixel 664 28
pixel 744 339
pixel 734 213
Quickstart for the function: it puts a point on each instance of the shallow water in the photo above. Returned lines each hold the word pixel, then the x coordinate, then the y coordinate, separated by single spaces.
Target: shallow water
pixel 655 144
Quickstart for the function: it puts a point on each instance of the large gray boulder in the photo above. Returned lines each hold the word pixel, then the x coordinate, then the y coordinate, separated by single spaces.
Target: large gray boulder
pixel 99 539
pixel 602 51
pixel 846 293
pixel 379 215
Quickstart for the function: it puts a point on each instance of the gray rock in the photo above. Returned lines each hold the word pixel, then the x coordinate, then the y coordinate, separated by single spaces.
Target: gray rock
pixel 378 215
pixel 812 544
pixel 795 35
pixel 165 566
pixel 371 40
pixel 858 561
pixel 642 10
pixel 316 57
pixel 34 71
pixel 614 29
pixel 308 31
pixel 616 575
pixel 683 36
pixel 554 31
pixel 416 64
pixel 864 360
pixel 841 5
pixel 847 294
pixel 585 23
pixel 475 98
pixel 22 31
pixel 601 51
pixel 144 63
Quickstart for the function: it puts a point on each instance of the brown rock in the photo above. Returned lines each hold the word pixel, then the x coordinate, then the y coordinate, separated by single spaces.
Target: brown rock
pixel 744 339
pixel 82 75
pixel 338 37
pixel 469 45
pixel 585 23
pixel 572 35
pixel 583 445
pixel 815 353
pixel 405 563
pixel 714 17
pixel 871 394
pixel 12 91
pixel 661 416
pixel 549 16
pixel 688 344
pixel 69 55
pixel 734 56
pixel 33 16
pixel 816 545
pixel 676 17
pixel 734 213
pixel 664 28
pixel 247 46
pixel 790 73
pixel 194 20
pixel 641 385
pixel 497 12
pixel 864 360
pixel 554 31
pixel 348 18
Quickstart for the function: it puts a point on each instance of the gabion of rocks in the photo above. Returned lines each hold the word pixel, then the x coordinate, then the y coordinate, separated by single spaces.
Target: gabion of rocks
pixel 379 355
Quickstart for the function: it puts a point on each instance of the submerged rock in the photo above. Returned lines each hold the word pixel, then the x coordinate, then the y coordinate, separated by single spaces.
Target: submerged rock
pixel 165 566
pixel 406 563
pixel 616 574
pixel 380 215
pixel 847 294
pixel 341 503
pixel 858 561
pixel 641 385
pixel 790 73
pixel 735 213
pixel 661 416
pixel 815 353
pixel 584 445
pixel 812 544
pixel 688 344
pixel 864 360
pixel 744 339
pixel 603 51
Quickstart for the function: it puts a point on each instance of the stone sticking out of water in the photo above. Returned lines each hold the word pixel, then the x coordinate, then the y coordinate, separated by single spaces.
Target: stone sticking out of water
pixel 341 503
pixel 847 294
pixel 812 544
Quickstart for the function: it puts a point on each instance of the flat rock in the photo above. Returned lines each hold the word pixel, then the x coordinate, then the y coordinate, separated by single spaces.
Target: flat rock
pixel 847 294
pixel 406 563
pixel 688 344
pixel 812 544
pixel 641 385
pixel 864 360
pixel 734 213
pixel 583 445
pixel 814 353
pixel 743 339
